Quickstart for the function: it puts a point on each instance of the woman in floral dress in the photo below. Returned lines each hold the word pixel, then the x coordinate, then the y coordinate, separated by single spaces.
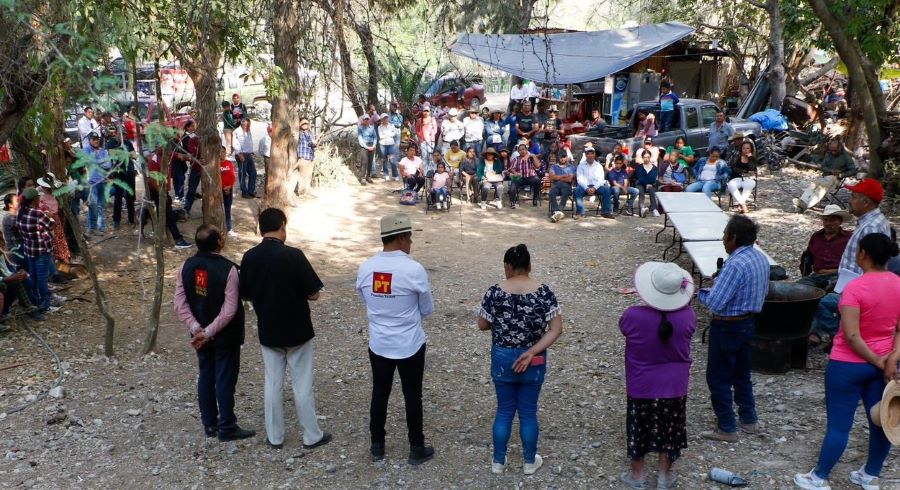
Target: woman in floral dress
pixel 657 369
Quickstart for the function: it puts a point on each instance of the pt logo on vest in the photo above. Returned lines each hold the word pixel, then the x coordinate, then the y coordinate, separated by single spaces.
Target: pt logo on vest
pixel 200 282
pixel 381 282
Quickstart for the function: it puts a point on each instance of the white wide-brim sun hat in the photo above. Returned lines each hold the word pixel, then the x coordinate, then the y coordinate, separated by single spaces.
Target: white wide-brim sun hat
pixel 664 285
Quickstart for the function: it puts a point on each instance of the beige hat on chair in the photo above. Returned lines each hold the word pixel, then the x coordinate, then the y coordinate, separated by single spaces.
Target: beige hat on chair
pixel 886 413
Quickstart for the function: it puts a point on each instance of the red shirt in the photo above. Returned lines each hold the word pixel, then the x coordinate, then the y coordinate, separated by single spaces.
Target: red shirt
pixel 130 129
pixel 228 174
pixel 827 252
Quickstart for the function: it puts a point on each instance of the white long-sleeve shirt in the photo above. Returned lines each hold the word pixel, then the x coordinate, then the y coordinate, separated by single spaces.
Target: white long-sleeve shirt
pixel 244 141
pixel 386 134
pixel 265 146
pixel 518 93
pixel 591 175
pixel 452 130
pixel 85 128
pixel 474 129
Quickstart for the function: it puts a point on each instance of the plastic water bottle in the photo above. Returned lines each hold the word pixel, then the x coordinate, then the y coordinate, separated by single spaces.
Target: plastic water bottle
pixel 727 477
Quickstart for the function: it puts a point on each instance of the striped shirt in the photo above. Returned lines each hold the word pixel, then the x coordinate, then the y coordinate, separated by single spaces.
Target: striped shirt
pixel 871 222
pixel 522 165
pixel 741 286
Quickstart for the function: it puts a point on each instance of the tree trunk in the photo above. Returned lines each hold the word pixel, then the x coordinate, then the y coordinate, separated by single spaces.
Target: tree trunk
pixel 203 74
pixel 367 43
pixel 337 16
pixel 159 231
pixel 285 122
pixel 776 56
pixel 99 294
pixel 863 76
pixel 56 152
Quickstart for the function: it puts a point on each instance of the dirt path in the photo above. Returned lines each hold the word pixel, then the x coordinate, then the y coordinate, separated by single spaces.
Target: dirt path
pixel 134 423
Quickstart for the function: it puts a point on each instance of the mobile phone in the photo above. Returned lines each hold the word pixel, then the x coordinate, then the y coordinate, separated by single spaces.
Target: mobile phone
pixel 538 360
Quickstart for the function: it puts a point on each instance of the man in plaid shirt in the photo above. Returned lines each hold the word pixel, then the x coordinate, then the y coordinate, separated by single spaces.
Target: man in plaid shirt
pixel 306 153
pixel 523 170
pixel 36 230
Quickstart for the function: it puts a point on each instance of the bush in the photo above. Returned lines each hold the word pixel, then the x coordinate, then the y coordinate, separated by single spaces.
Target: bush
pixel 330 169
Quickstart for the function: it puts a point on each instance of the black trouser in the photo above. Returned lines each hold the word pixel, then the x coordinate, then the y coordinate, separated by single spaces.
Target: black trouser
pixel 119 192
pixel 515 187
pixel 215 386
pixel 414 181
pixel 171 220
pixel 412 369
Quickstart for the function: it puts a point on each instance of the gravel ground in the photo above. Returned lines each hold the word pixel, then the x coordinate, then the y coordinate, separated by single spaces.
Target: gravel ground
pixel 134 423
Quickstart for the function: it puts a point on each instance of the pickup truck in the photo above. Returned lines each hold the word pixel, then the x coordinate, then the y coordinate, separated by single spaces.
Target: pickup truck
pixel 693 118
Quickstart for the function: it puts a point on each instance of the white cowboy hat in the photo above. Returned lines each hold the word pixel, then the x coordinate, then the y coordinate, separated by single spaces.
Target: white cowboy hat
pixel 886 413
pixel 49 181
pixel 454 112
pixel 835 210
pixel 664 285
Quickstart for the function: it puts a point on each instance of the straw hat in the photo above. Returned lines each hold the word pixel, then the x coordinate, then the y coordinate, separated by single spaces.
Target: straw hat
pixel 738 135
pixel 454 112
pixel 49 181
pixel 664 285
pixel 886 413
pixel 394 224
pixel 490 151
pixel 835 210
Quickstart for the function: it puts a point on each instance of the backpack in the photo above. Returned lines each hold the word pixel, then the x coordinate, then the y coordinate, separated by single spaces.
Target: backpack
pixel 408 197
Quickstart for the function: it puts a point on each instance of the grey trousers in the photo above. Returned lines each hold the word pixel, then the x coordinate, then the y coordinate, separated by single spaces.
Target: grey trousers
pixel 299 360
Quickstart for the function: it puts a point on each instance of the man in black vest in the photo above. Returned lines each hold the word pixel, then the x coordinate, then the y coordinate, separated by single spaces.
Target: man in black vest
pixel 280 282
pixel 207 301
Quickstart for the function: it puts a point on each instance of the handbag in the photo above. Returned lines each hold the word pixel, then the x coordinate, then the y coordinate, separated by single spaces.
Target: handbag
pixel 408 197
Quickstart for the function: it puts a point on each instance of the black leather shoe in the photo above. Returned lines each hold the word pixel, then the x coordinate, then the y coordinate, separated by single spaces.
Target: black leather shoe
pixel 211 430
pixel 420 454
pixel 235 434
pixel 326 438
pixel 377 451
pixel 273 446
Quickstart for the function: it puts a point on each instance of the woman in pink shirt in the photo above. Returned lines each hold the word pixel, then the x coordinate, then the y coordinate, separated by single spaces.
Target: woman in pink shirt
pixel 864 355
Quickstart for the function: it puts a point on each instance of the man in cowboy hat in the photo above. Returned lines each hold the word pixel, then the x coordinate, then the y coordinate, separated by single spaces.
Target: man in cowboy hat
pixel 837 165
pixel 490 173
pixel 306 153
pixel 451 130
pixel 734 143
pixel 865 198
pixel 397 294
pixel 551 127
pixel 738 293
pixel 473 130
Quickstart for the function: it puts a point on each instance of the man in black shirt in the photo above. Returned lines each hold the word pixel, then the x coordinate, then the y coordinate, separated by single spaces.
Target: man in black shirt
pixel 280 282
pixel 208 303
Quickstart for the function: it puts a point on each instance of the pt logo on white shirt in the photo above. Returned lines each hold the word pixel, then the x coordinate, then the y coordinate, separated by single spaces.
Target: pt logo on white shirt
pixel 381 282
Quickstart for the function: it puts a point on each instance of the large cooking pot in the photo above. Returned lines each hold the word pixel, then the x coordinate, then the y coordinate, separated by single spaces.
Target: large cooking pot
pixel 782 327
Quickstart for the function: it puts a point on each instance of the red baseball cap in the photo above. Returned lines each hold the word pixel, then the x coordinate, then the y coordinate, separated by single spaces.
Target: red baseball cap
pixel 870 188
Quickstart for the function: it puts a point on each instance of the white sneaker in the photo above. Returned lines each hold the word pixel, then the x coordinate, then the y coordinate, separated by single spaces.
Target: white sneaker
pixel 483 205
pixel 809 481
pixel 864 480
pixel 554 218
pixel 233 234
pixel 499 204
pixel 532 468
pixel 386 178
pixel 441 205
pixel 499 468
pixel 397 178
pixel 655 213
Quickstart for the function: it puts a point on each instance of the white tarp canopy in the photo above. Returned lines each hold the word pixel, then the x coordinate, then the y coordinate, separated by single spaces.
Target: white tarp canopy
pixel 570 57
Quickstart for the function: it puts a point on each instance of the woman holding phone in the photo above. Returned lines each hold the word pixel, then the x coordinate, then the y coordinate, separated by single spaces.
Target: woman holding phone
pixel 524 319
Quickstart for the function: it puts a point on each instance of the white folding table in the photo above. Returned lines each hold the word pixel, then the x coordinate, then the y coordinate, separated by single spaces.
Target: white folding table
pixel 684 202
pixel 696 227
pixel 705 257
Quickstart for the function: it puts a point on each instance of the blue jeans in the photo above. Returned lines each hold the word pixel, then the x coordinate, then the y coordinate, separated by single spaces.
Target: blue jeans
pixel 727 367
pixel 515 393
pixel 617 191
pixel 389 152
pixel 827 319
pixel 179 169
pixel 474 144
pixel 665 120
pixel 215 386
pixel 605 199
pixel 247 174
pixel 439 195
pixel 193 183
pixel 560 192
pixel 39 269
pixel 96 207
pixel 845 384
pixel 707 186
pixel 227 199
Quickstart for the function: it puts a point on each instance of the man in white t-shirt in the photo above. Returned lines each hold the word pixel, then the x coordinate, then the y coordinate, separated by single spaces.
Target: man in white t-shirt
pixel 411 170
pixel 473 128
pixel 452 129
pixel 517 94
pixel 397 295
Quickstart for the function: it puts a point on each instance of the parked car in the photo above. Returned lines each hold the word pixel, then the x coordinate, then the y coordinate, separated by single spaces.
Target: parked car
pixel 451 87
pixel 147 111
pixel 693 118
